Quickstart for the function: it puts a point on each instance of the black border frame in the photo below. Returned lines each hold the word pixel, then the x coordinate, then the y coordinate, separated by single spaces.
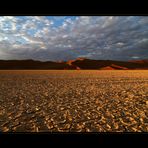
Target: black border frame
pixel 77 8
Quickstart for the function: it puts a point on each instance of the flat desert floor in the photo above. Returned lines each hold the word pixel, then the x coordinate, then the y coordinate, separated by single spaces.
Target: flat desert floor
pixel 74 101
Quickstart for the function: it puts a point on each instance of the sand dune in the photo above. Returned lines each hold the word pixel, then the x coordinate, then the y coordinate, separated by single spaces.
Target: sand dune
pixel 80 63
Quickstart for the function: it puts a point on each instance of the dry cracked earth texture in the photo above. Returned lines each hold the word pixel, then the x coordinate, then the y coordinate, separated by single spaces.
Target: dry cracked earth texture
pixel 74 101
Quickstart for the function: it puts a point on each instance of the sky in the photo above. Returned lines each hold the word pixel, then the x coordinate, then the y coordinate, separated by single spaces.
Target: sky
pixel 61 38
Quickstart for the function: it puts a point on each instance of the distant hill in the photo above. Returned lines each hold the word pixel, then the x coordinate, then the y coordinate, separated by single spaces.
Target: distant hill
pixel 80 63
pixel 139 61
pixel 108 64
pixel 31 64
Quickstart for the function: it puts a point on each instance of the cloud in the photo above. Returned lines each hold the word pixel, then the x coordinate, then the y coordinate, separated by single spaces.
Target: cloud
pixel 63 38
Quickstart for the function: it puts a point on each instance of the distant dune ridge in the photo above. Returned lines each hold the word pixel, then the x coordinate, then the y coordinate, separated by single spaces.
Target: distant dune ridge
pixel 80 63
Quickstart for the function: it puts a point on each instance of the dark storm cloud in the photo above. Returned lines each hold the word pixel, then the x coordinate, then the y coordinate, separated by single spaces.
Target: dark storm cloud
pixel 96 37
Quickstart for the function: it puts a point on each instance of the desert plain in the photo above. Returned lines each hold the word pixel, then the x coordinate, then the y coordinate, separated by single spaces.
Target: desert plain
pixel 74 101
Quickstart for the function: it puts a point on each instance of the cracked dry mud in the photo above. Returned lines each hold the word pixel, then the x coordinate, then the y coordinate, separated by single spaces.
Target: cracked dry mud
pixel 74 101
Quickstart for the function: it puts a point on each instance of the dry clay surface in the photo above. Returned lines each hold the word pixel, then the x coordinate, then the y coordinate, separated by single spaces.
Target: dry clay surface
pixel 74 101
